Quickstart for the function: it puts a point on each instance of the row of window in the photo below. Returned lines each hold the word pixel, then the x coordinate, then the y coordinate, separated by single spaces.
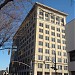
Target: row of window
pixel 52 46
pixel 52 39
pixel 52 27
pixel 47 51
pixel 47 66
pixel 50 17
pixel 47 58
pixel 52 33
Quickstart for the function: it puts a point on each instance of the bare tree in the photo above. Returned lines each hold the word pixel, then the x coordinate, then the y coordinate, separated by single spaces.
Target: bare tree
pixel 12 13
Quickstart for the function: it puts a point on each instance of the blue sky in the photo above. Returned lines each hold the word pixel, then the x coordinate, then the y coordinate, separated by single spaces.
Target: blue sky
pixel 66 6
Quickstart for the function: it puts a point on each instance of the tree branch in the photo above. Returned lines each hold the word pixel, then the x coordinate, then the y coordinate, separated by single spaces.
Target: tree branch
pixel 4 3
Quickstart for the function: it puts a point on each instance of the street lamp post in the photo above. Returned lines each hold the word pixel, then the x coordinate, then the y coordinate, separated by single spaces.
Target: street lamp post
pixel 55 65
pixel 30 66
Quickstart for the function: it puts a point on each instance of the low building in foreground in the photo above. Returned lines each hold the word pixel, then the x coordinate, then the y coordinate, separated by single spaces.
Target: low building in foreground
pixel 70 42
pixel 39 38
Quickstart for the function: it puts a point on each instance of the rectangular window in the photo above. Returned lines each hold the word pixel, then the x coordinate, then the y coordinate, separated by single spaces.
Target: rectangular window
pixel 47 58
pixel 53 39
pixel 46 31
pixel 53 45
pixel 41 14
pixel 47 66
pixel 65 60
pixel 46 38
pixel 65 67
pixel 47 51
pixel 47 16
pixel 40 57
pixel 40 50
pixel 60 67
pixel 64 47
pixel 40 65
pixel 47 44
pixel 53 33
pixel 41 30
pixel 40 43
pixel 47 26
pixel 58 35
pixel 64 54
pixel 53 52
pixel 47 73
pixel 59 46
pixel 63 31
pixel 59 53
pixel 63 36
pixel 41 24
pixel 58 29
pixel 59 60
pixel 63 42
pixel 53 28
pixel 40 36
pixel 58 41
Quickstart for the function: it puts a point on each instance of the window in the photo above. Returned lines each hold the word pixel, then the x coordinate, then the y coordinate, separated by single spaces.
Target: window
pixel 65 60
pixel 53 28
pixel 52 18
pixel 39 73
pixel 53 33
pixel 40 43
pixel 47 26
pixel 41 14
pixel 59 53
pixel 63 31
pixel 53 52
pixel 60 67
pixel 40 50
pixel 63 36
pixel 47 66
pixel 58 41
pixel 41 24
pixel 47 73
pixel 40 57
pixel 65 67
pixel 64 47
pixel 64 54
pixel 47 16
pixel 53 59
pixel 46 31
pixel 46 38
pixel 41 30
pixel 47 44
pixel 53 39
pixel 62 21
pixel 47 58
pixel 40 36
pixel 57 20
pixel 40 65
pixel 58 29
pixel 67 73
pixel 59 60
pixel 58 35
pixel 47 51
pixel 53 45
pixel 59 46
pixel 63 42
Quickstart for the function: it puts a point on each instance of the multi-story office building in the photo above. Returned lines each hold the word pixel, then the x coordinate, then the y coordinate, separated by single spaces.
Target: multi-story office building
pixel 70 43
pixel 41 35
